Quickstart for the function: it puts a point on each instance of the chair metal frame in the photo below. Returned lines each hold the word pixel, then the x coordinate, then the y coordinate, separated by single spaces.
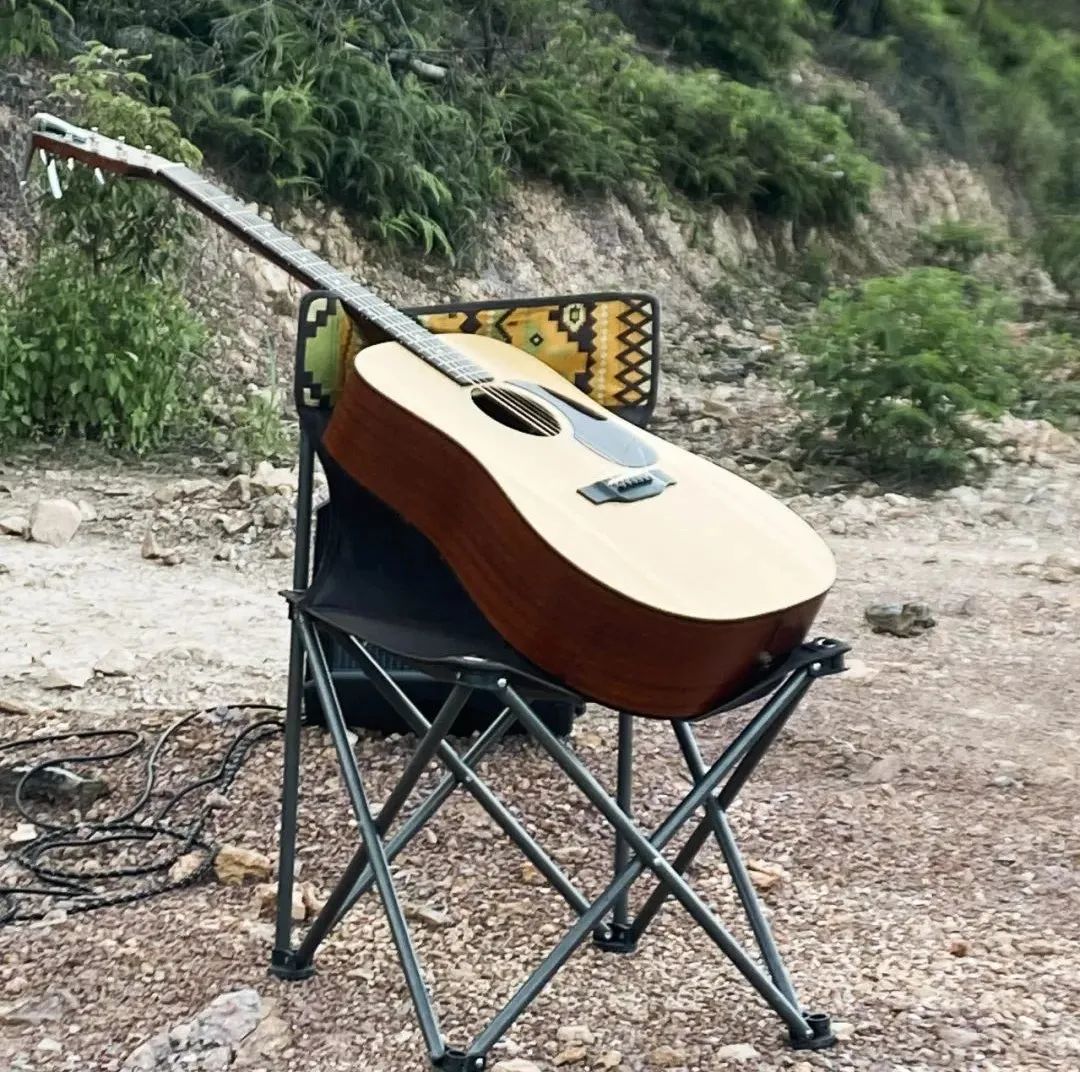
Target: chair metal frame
pixel 607 917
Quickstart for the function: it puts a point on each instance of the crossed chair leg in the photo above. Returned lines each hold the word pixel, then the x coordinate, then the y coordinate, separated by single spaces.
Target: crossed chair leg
pixel 606 917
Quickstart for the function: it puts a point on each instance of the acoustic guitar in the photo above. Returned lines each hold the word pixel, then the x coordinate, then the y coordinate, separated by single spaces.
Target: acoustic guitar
pixel 639 574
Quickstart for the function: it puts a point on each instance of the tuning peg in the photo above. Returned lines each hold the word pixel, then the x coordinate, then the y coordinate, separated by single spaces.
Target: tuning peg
pixel 99 176
pixel 71 163
pixel 54 179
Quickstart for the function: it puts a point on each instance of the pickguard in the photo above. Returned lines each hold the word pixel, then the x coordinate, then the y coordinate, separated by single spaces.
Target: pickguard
pixel 610 439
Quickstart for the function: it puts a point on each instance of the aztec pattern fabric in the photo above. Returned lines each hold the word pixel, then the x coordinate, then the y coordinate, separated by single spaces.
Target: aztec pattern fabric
pixel 607 345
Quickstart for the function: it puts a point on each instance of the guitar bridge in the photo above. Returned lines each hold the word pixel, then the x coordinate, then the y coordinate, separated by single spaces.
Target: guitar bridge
pixel 627 487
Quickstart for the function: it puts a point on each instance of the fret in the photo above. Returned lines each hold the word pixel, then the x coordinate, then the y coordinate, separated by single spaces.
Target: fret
pixel 359 300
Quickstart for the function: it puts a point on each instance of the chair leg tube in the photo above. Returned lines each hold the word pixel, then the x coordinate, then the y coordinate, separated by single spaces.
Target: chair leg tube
pixel 741 878
pixel 616 937
pixel 646 851
pixel 281 959
pixel 543 974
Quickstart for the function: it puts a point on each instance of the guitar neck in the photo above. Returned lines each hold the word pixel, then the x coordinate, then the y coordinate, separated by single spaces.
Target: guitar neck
pixel 311 270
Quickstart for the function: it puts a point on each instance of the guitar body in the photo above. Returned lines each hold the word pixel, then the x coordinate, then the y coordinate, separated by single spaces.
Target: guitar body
pixel 641 575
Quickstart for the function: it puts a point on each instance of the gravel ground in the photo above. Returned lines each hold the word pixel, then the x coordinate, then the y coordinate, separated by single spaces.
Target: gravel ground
pixel 922 808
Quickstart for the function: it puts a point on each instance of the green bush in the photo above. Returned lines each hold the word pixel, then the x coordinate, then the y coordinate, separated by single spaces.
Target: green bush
pixel 750 41
pixel 27 27
pixel 896 369
pixel 95 354
pixel 957 243
pixel 97 340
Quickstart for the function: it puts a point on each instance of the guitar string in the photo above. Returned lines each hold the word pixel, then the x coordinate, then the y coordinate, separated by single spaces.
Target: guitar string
pixel 370 305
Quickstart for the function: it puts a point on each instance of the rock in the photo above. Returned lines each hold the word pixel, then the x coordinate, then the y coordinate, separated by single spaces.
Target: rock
pixel 858 509
pixel 266 895
pixel 54 521
pixel 61 675
pixel 427 915
pixel 1040 947
pixel 966 496
pixel 857 670
pixel 739 1051
pixel 281 548
pixel 183 489
pixel 886 769
pixel 959 1038
pixel 843 1031
pixel 49 1045
pixel 267 480
pixel 310 899
pixel 235 865
pixel 764 875
pixel 274 513
pixel 516 1064
pixel 838 526
pixel 219 1033
pixel 14 525
pixel 575 1034
pixel 572 1055
pixel 238 490
pixel 901 620
pixel 185 867
pixel 1065 562
pixel 772 333
pixel 116 662
pixel 151 549
pixel 958 948
pixel 53 1007
pixel 23 834
pixel 271 1035
pixel 779 476
pixel 609 1059
pixel 668 1057
pixel 235 524
pixel 52 785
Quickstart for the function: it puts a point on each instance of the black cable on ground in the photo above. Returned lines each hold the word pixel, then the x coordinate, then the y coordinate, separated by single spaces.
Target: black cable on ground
pixel 77 889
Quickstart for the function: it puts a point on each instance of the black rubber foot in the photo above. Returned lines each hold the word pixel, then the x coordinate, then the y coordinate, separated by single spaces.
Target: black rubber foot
pixel 615 938
pixel 283 965
pixel 457 1061
pixel 821 1038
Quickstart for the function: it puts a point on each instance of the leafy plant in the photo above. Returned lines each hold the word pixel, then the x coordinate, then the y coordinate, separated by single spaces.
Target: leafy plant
pixel 896 369
pixel 27 27
pixel 957 243
pixel 95 354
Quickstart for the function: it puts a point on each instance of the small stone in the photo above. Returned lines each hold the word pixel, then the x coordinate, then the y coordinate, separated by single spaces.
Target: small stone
pixel 185 867
pixel 900 619
pixel 235 524
pixel 838 526
pixel 516 1064
pixel 958 1037
pixel 14 525
pixel 274 513
pixel 54 522
pixel 572 1055
pixel 87 511
pixel 172 558
pixel 49 1045
pixel 312 902
pixel 764 875
pixel 575 1034
pixel 843 1031
pixel 60 675
pixel 266 895
pixel 427 915
pixel 151 549
pixel 23 834
pixel 238 490
pixel 51 1008
pixel 216 800
pixel 668 1057
pixel 1063 561
pixel 235 865
pixel 772 333
pixel 779 476
pixel 267 480
pixel 739 1051
pixel 116 662
pixel 1039 947
pixel 281 548
pixel 958 947
pixel 886 769
pixel 609 1059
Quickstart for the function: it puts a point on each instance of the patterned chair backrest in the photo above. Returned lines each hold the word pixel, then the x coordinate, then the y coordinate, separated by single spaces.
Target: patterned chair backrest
pixel 607 345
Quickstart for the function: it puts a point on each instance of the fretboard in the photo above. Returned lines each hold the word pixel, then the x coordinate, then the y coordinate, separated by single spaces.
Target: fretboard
pixel 314 272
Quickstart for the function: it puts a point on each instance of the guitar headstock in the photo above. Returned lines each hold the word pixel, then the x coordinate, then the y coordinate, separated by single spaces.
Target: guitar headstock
pixel 56 138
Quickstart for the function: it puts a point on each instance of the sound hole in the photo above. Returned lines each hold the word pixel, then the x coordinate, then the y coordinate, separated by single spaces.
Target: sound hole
pixel 516 411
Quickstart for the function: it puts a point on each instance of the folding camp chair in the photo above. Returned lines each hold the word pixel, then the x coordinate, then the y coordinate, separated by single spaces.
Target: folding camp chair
pixel 382 588
pixel 607 344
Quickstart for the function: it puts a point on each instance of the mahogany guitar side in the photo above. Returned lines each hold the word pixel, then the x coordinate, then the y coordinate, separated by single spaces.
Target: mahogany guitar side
pixel 665 607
